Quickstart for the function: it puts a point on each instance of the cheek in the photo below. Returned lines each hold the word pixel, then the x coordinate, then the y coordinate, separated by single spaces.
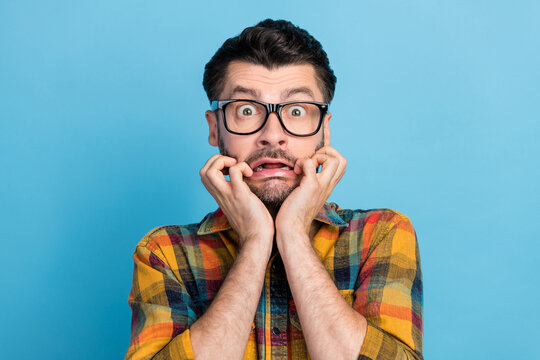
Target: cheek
pixel 237 146
pixel 303 149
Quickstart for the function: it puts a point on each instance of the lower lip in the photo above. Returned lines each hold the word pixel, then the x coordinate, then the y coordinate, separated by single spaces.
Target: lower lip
pixel 273 173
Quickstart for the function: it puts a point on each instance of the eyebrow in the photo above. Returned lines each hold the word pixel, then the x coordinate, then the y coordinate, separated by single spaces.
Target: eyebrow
pixel 242 90
pixel 301 90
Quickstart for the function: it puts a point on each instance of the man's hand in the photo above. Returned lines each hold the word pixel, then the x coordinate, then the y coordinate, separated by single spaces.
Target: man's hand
pixel 302 205
pixel 245 212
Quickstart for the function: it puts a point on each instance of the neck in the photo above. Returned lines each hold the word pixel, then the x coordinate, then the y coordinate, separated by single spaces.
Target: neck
pixel 273 209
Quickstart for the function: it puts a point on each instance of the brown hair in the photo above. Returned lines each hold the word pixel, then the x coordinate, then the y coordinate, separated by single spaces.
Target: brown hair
pixel 271 43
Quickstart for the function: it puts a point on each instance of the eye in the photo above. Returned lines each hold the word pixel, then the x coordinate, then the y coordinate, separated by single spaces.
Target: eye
pixel 247 110
pixel 296 111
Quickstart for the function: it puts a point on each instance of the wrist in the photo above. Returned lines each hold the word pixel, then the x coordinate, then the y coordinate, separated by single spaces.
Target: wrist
pixel 256 246
pixel 291 229
pixel 292 239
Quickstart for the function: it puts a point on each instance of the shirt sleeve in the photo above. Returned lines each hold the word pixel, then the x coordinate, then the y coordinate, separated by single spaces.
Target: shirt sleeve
pixel 390 292
pixel 162 309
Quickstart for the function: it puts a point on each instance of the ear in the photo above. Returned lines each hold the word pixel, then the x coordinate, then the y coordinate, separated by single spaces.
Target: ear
pixel 211 118
pixel 326 125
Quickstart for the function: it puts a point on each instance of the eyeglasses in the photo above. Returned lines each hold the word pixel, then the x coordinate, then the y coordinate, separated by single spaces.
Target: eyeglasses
pixel 246 117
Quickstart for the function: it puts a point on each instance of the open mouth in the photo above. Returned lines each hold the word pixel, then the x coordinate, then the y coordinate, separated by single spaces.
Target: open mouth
pixel 267 166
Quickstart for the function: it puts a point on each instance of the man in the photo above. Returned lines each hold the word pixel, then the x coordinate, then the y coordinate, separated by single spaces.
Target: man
pixel 276 272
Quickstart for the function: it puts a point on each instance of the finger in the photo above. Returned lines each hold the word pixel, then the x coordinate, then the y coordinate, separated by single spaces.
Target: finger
pixel 207 164
pixel 328 169
pixel 216 160
pixel 215 174
pixel 340 172
pixel 204 173
pixel 342 166
pixel 224 163
pixel 333 167
pixel 298 165
pixel 326 161
pixel 320 159
pixel 247 171
pixel 237 172
pixel 342 162
pixel 309 168
pixel 328 150
pixel 221 163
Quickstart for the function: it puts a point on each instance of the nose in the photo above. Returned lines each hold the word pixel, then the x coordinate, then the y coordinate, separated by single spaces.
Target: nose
pixel 272 134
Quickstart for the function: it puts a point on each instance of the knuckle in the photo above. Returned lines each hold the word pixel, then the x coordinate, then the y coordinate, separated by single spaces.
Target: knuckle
pixel 243 165
pixel 211 178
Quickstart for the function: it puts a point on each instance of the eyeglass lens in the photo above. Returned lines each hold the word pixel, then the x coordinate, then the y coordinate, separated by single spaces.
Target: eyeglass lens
pixel 298 118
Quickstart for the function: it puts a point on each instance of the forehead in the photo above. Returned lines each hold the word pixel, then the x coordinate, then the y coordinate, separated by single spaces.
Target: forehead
pixel 288 82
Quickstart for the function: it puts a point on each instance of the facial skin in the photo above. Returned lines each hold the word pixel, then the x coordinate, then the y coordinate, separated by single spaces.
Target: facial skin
pixel 272 144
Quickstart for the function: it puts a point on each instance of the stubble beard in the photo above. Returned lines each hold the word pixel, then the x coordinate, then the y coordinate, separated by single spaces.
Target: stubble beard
pixel 272 193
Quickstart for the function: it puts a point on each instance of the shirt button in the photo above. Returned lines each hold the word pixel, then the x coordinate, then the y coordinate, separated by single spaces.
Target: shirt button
pixel 275 331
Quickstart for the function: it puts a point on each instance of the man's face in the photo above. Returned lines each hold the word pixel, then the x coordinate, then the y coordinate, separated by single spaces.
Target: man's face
pixel 271 152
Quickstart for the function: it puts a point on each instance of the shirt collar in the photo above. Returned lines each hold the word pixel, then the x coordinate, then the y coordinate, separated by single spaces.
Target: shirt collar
pixel 217 221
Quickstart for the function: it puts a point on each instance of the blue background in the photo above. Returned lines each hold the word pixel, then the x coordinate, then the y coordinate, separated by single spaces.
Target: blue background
pixel 102 136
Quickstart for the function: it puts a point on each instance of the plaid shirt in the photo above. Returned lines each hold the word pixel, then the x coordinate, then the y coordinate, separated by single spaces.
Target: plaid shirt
pixel 372 256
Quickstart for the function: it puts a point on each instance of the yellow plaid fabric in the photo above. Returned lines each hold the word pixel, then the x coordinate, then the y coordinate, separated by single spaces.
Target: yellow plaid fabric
pixel 372 256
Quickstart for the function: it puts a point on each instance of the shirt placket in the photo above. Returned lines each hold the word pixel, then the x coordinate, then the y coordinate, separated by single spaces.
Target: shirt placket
pixel 279 305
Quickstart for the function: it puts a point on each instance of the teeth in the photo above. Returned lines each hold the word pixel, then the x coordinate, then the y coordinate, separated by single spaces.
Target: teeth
pixel 261 168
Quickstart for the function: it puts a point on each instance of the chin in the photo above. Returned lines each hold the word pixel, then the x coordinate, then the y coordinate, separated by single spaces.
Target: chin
pixel 273 191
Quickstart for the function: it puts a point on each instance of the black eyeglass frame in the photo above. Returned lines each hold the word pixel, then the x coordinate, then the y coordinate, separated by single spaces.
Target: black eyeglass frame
pixel 270 108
